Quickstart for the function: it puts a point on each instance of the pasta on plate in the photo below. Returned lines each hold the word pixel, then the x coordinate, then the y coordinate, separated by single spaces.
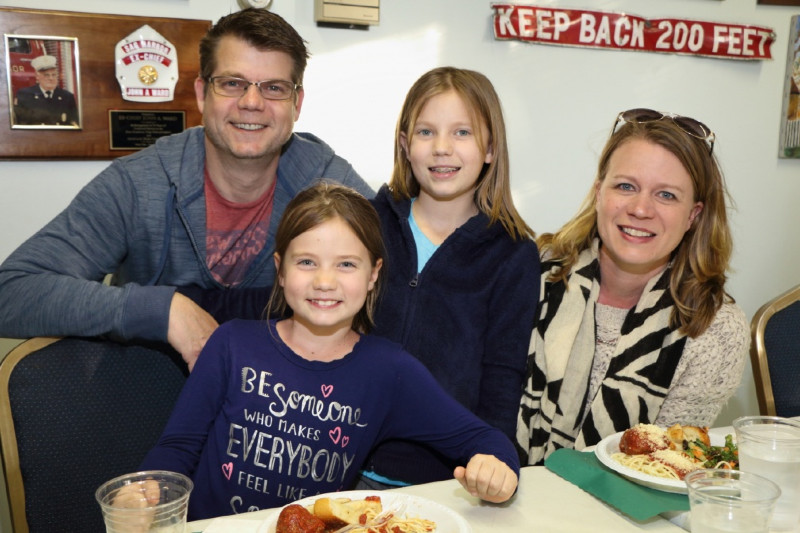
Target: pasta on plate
pixel 673 452
pixel 365 512
pixel 356 516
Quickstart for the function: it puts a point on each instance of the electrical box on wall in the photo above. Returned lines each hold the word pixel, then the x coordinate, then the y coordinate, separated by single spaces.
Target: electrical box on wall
pixel 347 12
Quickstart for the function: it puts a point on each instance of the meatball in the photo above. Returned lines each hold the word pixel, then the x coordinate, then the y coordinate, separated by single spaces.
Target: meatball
pixel 297 519
pixel 643 439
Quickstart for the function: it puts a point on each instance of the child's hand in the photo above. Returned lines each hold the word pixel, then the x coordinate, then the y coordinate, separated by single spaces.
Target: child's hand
pixel 488 478
pixel 143 495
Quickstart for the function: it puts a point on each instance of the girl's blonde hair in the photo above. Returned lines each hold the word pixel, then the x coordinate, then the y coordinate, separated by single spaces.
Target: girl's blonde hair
pixel 493 193
pixel 319 203
pixel 701 260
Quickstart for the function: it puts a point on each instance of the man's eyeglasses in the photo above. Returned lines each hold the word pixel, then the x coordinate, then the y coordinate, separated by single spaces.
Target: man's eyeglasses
pixel 237 87
pixel 692 127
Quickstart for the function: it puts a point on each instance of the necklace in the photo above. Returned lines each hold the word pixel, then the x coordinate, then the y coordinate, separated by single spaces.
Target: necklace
pixel 605 342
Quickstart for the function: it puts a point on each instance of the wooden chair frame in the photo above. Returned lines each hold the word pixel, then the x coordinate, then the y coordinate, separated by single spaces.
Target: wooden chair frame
pixel 8 436
pixel 758 349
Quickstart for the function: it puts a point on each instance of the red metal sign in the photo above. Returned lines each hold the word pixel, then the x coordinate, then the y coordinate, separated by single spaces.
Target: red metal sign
pixel 623 31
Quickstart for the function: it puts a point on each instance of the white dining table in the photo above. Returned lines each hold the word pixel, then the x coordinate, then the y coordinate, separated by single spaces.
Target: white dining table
pixel 544 503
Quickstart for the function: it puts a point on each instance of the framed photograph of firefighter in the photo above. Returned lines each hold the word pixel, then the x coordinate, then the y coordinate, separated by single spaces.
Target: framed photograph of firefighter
pixel 43 82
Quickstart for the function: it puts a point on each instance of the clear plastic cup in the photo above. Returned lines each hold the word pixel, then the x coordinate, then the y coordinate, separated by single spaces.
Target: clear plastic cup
pixel 149 501
pixel 770 447
pixel 730 501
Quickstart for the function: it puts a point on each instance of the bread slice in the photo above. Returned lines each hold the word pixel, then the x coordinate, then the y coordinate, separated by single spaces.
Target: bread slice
pixel 693 433
pixel 338 512
pixel 682 435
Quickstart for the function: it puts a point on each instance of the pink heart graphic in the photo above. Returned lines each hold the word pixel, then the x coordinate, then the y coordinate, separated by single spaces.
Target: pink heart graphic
pixel 227 470
pixel 327 390
pixel 335 434
pixel 345 440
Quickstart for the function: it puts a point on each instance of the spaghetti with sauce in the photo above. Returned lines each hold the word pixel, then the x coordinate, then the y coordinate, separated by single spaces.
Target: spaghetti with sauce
pixel 674 452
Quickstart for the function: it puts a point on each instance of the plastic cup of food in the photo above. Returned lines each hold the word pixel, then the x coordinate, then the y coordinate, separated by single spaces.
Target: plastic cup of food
pixel 149 501
pixel 722 500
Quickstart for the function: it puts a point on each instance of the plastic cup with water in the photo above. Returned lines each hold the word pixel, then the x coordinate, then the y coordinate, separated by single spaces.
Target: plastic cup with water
pixel 149 501
pixel 770 447
pixel 728 501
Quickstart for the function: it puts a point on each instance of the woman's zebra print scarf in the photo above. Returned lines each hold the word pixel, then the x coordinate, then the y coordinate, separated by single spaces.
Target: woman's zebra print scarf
pixel 562 348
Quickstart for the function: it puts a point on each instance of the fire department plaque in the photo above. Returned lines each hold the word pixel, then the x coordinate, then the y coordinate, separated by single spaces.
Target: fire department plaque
pixel 146 66
pixel 134 130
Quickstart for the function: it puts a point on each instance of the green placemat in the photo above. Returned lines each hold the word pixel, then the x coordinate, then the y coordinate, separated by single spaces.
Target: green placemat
pixel 640 503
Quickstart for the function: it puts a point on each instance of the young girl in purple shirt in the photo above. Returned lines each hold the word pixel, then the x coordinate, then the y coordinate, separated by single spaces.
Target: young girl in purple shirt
pixel 280 410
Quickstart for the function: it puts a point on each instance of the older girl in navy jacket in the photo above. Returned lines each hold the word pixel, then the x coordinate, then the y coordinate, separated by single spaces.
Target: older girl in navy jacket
pixel 463 270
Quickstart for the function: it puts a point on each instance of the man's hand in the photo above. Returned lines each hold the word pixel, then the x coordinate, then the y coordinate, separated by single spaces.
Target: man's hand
pixel 189 328
pixel 488 478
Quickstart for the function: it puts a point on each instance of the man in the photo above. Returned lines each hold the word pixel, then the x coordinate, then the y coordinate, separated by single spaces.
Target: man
pixel 198 209
pixel 45 103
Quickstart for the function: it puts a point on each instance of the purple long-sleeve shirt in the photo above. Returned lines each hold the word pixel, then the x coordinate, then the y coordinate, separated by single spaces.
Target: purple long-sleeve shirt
pixel 257 426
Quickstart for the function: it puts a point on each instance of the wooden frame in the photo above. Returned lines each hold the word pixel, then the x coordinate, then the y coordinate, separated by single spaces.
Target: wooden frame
pixel 790 105
pixel 96 35
pixel 33 110
pixel 780 2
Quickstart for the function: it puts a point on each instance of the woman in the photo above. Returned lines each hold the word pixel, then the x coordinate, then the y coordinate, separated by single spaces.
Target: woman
pixel 634 321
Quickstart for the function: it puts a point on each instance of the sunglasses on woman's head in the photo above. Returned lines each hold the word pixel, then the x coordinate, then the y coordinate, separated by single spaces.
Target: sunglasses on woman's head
pixel 690 126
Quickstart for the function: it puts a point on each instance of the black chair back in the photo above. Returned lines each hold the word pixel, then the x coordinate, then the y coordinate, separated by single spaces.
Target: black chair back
pixel 83 411
pixel 775 355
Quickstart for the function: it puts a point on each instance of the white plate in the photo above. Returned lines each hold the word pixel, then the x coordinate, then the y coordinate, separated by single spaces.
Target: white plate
pixel 447 520
pixel 610 445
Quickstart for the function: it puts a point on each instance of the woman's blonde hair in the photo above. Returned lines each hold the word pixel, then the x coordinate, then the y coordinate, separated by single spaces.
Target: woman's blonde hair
pixel 701 260
pixel 311 207
pixel 493 193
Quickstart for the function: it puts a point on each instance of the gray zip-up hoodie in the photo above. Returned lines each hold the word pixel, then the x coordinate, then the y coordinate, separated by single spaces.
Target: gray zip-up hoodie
pixel 143 219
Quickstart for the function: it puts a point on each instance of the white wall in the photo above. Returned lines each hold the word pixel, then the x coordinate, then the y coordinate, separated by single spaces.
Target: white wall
pixel 560 104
